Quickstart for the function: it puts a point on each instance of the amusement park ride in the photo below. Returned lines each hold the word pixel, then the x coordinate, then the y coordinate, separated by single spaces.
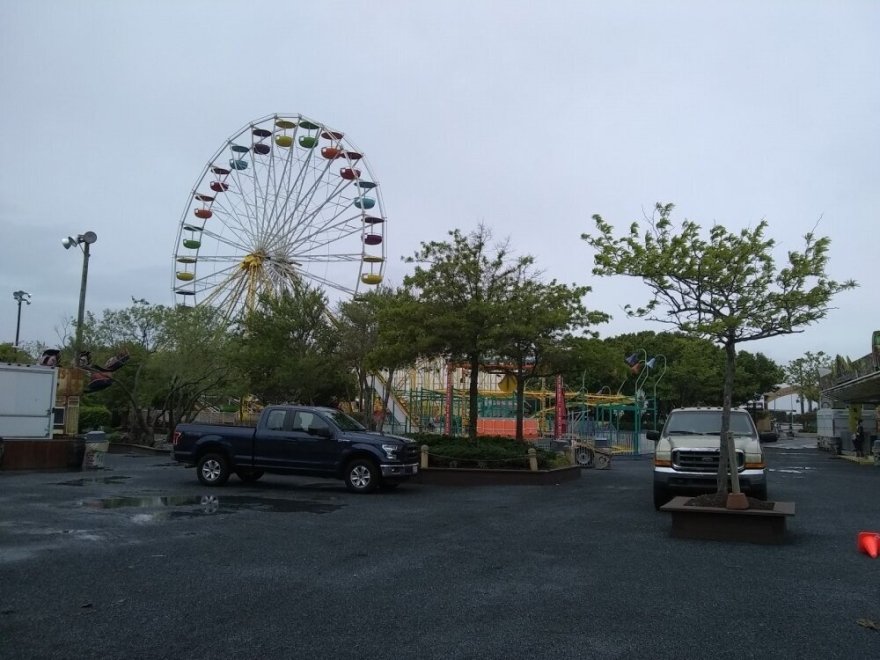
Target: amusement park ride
pixel 552 410
pixel 286 200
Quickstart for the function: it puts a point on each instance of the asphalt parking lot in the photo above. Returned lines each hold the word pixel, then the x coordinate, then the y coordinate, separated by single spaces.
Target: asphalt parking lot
pixel 140 561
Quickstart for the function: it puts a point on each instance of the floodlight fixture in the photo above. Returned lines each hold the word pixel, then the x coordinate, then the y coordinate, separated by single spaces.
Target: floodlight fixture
pixel 81 239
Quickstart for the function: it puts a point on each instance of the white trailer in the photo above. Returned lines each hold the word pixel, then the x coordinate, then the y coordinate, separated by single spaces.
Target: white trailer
pixel 27 400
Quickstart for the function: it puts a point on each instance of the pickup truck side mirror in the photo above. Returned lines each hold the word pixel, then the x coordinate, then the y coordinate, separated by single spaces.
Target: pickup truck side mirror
pixel 653 435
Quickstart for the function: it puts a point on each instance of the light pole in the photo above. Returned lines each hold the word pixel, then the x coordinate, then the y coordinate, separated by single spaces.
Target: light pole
pixel 651 364
pixel 20 297
pixel 84 241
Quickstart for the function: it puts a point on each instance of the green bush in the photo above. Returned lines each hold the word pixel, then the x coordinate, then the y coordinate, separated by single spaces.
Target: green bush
pixel 487 452
pixel 92 418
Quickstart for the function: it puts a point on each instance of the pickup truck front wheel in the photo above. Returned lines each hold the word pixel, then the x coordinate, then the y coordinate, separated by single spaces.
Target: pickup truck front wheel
pixel 361 476
pixel 213 469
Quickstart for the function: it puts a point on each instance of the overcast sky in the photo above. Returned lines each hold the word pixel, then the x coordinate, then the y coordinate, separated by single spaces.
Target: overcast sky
pixel 528 117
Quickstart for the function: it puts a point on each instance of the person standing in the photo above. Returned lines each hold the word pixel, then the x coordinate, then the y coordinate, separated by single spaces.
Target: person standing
pixel 859 440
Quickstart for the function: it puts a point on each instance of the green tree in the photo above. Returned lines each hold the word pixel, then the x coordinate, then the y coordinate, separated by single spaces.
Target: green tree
pixel 135 331
pixel 376 335
pixel 725 288
pixel 756 374
pixel 191 369
pixel 286 350
pixel 803 374
pixel 176 363
pixel 592 365
pixel 9 353
pixel 537 322
pixel 462 285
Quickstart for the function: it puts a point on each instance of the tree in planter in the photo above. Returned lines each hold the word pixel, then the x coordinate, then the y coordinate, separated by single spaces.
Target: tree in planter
pixel 536 324
pixel 399 341
pixel 725 288
pixel 461 286
pixel 803 375
pixel 376 332
pixel 287 351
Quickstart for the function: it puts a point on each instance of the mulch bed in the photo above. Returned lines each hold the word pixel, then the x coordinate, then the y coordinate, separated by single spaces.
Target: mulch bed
pixel 720 500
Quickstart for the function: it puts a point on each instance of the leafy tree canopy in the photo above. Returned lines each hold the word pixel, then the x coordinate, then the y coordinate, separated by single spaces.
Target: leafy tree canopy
pixel 726 287
pixel 803 374
pixel 286 350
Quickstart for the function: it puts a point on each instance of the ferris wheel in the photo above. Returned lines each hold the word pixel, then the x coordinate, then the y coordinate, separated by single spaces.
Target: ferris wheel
pixel 285 201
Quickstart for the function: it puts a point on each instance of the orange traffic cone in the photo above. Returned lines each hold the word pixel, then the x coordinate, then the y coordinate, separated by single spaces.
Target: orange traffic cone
pixel 869 543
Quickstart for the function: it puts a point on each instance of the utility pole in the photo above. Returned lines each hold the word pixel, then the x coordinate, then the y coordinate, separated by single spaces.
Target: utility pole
pixel 20 297
pixel 84 241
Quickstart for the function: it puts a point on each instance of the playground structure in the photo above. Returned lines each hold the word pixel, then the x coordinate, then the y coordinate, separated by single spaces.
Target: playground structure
pixel 433 397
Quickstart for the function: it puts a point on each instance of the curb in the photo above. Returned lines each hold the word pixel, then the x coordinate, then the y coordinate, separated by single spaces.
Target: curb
pixel 127 445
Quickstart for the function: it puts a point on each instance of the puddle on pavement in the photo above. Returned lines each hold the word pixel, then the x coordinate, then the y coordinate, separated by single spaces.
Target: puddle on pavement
pixel 190 506
pixel 797 470
pixel 93 480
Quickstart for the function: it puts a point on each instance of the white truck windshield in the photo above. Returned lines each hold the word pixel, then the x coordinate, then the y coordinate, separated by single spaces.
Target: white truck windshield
pixel 707 422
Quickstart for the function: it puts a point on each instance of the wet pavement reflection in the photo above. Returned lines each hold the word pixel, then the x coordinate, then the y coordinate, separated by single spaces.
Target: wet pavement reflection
pixel 169 507
pixel 93 480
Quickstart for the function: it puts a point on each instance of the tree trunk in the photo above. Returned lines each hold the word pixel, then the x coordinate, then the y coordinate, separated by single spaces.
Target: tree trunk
pixel 362 397
pixel 385 399
pixel 520 396
pixel 474 397
pixel 727 453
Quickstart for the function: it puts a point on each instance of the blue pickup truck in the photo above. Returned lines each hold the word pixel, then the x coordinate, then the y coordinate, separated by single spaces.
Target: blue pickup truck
pixel 302 440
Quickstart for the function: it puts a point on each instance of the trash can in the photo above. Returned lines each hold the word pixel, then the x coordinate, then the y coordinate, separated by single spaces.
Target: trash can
pixel 97 446
pixel 875 451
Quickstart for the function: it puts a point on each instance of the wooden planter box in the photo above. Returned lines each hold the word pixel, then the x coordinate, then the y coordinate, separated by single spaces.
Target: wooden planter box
pixel 30 454
pixel 720 524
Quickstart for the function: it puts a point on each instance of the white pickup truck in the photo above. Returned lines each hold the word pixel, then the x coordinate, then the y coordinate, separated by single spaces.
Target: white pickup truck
pixel 687 450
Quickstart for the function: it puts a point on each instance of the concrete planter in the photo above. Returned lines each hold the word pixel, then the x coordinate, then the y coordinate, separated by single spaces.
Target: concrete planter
pixel 478 477
pixel 764 526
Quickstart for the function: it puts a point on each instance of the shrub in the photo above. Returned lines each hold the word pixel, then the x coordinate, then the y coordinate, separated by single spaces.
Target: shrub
pixel 93 418
pixel 486 452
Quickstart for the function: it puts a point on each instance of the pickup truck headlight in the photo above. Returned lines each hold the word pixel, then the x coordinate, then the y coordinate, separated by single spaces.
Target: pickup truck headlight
pixel 390 451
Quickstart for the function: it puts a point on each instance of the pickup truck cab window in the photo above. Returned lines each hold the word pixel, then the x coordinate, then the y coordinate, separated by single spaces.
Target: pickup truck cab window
pixel 309 422
pixel 345 422
pixel 275 420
